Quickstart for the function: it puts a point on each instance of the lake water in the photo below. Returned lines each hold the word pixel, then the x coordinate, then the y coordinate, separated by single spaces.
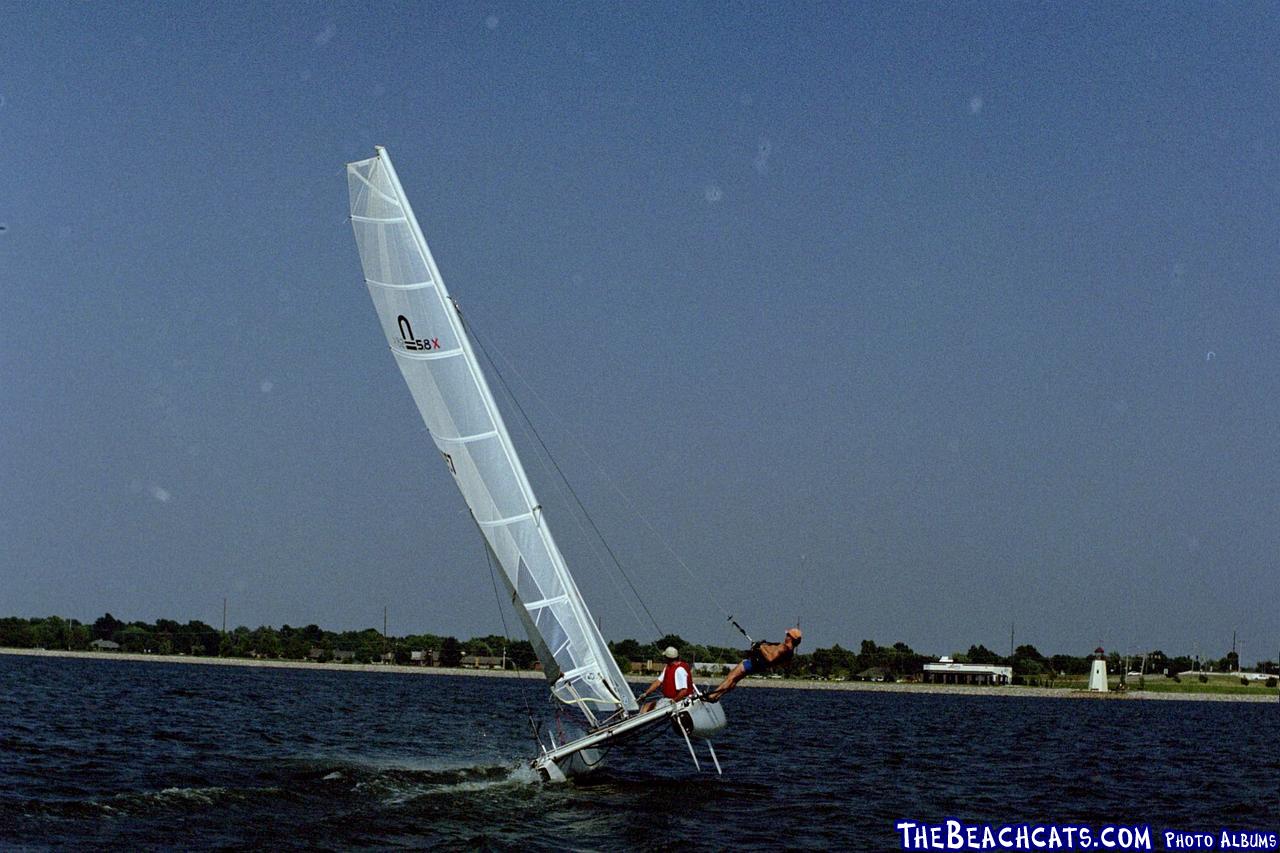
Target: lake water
pixel 146 755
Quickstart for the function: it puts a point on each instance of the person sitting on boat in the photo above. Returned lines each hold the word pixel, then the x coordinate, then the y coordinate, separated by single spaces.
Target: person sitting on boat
pixel 676 681
pixel 762 657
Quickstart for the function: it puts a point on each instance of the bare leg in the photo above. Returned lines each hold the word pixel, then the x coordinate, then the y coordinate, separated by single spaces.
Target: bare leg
pixel 730 681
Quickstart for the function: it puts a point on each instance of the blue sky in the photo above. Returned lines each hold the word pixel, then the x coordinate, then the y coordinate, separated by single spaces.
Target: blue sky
pixel 908 321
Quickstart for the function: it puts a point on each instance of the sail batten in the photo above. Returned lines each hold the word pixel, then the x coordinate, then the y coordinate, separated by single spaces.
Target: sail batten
pixel 417 285
pixel 378 220
pixel 435 355
pixel 466 439
pixel 412 355
pixel 502 522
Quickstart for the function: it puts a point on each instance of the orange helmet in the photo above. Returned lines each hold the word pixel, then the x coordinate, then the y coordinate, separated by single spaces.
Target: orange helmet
pixel 794 634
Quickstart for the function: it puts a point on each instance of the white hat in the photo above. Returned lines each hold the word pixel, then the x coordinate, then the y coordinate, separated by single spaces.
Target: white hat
pixel 670 653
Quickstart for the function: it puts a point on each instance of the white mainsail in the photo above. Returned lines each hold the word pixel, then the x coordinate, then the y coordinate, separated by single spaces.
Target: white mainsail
pixel 432 347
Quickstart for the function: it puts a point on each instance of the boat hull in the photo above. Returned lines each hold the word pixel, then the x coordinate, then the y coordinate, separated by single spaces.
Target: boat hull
pixel 575 765
pixel 693 716
pixel 703 719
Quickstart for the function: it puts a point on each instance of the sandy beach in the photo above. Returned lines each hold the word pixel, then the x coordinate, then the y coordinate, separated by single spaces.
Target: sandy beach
pixel 753 683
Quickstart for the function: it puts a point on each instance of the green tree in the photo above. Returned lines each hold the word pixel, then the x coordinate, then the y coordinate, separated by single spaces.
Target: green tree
pixel 521 653
pixel 135 638
pixel 297 647
pixel 725 654
pixel 669 640
pixel 265 642
pixel 423 642
pixel 626 650
pixel 51 633
pixel 236 644
pixel 695 652
pixel 106 626
pixel 16 633
pixel 79 636
pixel 201 639
pixel 822 663
pixel 844 663
pixel 1027 660
pixel 1181 663
pixel 1069 664
pixel 980 654
pixel 450 652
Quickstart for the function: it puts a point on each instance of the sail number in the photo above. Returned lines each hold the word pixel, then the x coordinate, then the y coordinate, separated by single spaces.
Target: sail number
pixel 412 343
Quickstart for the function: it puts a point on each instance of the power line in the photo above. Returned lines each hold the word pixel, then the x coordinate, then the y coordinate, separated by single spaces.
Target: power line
pixel 591 521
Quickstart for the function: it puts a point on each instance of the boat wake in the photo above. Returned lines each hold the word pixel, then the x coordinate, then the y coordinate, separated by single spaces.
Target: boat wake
pixel 400 783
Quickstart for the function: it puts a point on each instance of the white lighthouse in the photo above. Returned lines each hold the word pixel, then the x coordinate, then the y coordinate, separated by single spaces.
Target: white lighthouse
pixel 1098 672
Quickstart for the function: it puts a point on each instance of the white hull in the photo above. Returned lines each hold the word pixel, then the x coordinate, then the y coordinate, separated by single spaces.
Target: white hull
pixel 692 717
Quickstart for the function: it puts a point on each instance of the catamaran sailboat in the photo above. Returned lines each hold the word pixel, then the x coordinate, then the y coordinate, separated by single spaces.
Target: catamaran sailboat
pixel 433 348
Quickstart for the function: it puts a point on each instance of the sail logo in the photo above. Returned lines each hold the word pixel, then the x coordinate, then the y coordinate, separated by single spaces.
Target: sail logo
pixel 412 343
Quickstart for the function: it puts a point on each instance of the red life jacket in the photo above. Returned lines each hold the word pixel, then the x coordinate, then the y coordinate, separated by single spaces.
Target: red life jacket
pixel 669 678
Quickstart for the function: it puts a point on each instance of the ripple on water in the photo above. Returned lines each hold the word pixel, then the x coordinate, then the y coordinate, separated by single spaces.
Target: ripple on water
pixel 204 756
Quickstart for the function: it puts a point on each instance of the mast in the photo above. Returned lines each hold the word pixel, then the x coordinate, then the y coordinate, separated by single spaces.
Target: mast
pixel 429 339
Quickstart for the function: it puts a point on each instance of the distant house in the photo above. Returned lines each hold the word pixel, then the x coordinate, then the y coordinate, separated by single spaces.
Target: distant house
pixel 344 655
pixel 316 653
pixel 709 668
pixel 947 671
pixel 654 667
pixel 104 646
pixel 481 662
pixel 874 673
pixel 424 657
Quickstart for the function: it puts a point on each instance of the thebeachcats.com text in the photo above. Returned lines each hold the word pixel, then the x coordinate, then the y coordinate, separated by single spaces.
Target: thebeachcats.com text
pixel 953 834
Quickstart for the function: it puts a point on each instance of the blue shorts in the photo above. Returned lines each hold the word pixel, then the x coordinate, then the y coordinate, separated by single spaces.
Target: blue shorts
pixel 747 668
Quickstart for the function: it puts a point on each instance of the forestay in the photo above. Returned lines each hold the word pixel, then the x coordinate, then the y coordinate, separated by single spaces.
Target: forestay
pixel 432 347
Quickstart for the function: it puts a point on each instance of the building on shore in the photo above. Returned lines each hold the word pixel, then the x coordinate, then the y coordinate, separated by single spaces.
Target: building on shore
pixel 703 669
pixel 711 668
pixel 947 671
pixel 645 667
pixel 482 662
pixel 1098 671
pixel 874 673
pixel 104 646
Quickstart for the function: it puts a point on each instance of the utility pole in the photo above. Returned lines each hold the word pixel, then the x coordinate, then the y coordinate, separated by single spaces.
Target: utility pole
pixel 224 624
pixel 384 633
pixel 1011 640
pixel 801 595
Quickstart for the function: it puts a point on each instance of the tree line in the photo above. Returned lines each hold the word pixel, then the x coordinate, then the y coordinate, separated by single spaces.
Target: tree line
pixel 898 661
pixel 168 637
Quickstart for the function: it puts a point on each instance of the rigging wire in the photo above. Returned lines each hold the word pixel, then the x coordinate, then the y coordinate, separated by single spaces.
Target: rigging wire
pixel 534 432
pixel 706 589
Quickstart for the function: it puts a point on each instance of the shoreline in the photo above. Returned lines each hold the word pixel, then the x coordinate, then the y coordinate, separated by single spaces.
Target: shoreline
pixel 753 683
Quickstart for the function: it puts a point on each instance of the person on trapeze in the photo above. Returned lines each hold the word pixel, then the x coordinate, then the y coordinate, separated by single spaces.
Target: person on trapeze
pixel 762 657
pixel 676 681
